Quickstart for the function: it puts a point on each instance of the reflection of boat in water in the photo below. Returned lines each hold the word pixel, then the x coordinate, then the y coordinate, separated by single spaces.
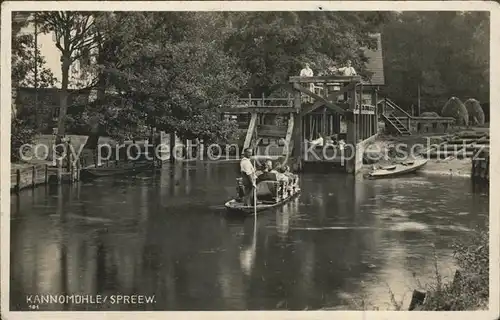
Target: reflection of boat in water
pixel 132 167
pixel 282 192
pixel 398 169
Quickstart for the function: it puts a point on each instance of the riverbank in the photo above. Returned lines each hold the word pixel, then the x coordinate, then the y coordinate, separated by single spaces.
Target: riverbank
pixel 469 289
pixel 410 147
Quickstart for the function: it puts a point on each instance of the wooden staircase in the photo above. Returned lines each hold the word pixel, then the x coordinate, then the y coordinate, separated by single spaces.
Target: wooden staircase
pixel 270 140
pixel 396 124
pixel 391 115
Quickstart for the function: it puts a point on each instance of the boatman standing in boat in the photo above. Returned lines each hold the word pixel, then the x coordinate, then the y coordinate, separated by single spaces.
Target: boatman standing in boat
pixel 248 176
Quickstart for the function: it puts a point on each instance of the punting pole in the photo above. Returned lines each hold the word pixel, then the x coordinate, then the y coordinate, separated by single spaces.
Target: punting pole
pixel 255 197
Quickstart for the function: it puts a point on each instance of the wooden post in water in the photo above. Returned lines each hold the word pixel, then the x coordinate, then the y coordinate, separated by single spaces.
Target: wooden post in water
pixel 18 180
pixel 172 147
pixel 297 134
pixel 33 176
pixel 59 171
pixel 351 136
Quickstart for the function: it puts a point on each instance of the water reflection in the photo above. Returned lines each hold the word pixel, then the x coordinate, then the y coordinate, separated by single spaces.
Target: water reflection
pixel 167 234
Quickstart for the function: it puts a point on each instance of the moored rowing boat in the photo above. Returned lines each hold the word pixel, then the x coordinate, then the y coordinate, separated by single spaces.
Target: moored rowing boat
pixel 123 169
pixel 398 169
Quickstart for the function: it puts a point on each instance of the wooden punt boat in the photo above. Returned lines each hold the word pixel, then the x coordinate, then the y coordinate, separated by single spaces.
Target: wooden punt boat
pixel 284 192
pixel 398 169
pixel 121 169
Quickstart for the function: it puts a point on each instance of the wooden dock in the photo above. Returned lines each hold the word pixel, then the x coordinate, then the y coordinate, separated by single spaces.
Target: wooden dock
pixel 30 176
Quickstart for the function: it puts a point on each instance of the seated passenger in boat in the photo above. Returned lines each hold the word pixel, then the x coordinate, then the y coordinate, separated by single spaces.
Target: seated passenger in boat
pixel 288 173
pixel 280 174
pixel 319 142
pixel 266 182
pixel 268 174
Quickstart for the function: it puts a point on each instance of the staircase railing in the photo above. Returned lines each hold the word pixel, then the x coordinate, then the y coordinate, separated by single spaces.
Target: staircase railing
pixel 389 108
pixel 393 122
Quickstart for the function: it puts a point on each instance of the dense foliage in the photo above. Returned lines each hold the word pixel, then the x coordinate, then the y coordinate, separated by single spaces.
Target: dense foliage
pixel 20 134
pixel 272 46
pixel 165 74
pixel 470 288
pixel 446 53
pixel 173 71
pixel 75 35
pixel 25 59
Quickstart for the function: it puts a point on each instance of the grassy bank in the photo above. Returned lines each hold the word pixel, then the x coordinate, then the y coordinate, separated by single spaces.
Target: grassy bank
pixel 467 292
pixel 469 289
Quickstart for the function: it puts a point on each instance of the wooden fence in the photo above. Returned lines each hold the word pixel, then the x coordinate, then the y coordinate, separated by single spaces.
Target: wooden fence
pixel 28 177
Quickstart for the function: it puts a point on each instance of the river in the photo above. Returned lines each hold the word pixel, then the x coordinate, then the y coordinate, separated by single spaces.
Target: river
pixel 344 243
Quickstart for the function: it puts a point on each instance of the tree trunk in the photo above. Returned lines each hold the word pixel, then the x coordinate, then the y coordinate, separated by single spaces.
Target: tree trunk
pixel 63 104
pixel 95 130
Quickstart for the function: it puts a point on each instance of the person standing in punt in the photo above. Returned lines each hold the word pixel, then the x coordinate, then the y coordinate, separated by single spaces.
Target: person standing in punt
pixel 248 177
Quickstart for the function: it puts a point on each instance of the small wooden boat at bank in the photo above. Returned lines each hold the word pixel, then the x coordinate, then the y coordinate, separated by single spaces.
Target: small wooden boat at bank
pixel 127 168
pixel 398 169
pixel 283 191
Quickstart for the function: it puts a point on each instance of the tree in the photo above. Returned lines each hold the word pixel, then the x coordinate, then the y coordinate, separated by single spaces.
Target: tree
pixel 165 73
pixel 75 35
pixel 271 46
pixel 445 53
pixel 26 62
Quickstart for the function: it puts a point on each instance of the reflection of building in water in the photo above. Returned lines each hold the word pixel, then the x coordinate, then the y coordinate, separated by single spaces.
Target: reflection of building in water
pixel 359 192
pixel 144 205
pixel 308 263
pixel 187 182
pixel 176 177
pixel 81 264
pixel 283 222
pixel 232 283
pixel 285 215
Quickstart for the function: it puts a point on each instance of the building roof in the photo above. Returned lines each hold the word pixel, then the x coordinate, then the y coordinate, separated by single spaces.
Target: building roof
pixel 375 63
pixel 50 97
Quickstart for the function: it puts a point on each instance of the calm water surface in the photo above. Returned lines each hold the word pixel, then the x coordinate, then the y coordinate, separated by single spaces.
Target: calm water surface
pixel 167 234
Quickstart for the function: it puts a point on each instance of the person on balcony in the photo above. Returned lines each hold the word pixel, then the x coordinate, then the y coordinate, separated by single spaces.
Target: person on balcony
pixel 307 72
pixel 348 70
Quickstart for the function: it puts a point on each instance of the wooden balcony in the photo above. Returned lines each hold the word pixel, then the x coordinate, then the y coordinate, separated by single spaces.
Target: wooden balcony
pixel 325 79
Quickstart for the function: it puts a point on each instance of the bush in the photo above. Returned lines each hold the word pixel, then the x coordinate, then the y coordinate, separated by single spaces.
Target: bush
pixel 470 288
pixel 456 109
pixel 20 134
pixel 476 113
